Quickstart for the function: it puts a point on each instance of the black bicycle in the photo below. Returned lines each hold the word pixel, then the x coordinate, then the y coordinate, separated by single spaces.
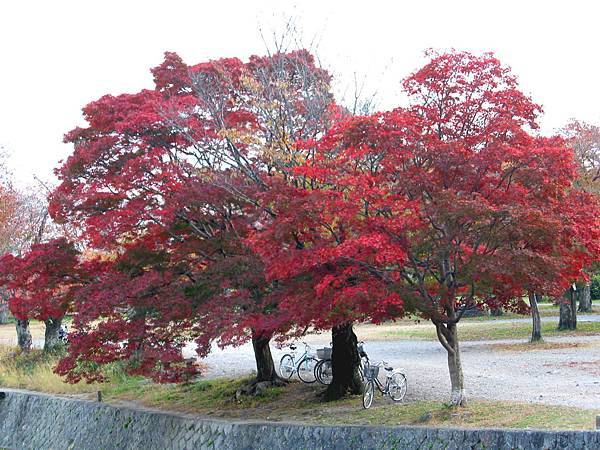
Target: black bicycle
pixel 324 369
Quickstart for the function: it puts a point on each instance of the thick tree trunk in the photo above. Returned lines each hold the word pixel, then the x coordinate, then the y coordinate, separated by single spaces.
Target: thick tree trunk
pixel 568 311
pixel 51 338
pixel 585 297
pixel 345 362
pixel 24 335
pixel 536 332
pixel 265 367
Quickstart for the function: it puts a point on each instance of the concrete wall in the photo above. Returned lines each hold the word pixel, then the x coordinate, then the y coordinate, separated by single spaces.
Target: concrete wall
pixel 37 421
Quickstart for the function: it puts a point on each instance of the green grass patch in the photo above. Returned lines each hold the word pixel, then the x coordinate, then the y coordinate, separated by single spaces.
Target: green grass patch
pixel 483 330
pixel 478 414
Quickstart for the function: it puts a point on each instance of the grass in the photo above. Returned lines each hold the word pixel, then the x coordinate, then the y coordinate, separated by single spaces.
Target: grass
pixel 473 330
pixel 536 346
pixel 34 371
pixel 295 403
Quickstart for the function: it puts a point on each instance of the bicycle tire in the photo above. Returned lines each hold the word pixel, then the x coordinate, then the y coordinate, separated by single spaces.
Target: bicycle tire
pixel 286 366
pixel 323 371
pixel 368 394
pixel 308 363
pixel 398 387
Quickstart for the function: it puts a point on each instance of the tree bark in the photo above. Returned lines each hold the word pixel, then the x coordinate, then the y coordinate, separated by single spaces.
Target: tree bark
pixel 24 335
pixel 536 333
pixel 51 339
pixel 265 367
pixel 4 311
pixel 345 362
pixel 266 375
pixel 573 299
pixel 568 311
pixel 585 297
pixel 457 380
pixel 496 312
pixel 4 316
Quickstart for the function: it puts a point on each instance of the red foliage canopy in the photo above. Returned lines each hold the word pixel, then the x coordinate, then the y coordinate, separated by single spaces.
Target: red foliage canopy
pixel 439 206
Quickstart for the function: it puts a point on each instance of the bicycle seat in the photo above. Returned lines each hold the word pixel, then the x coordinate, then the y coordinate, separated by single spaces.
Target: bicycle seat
pixel 389 369
pixel 293 347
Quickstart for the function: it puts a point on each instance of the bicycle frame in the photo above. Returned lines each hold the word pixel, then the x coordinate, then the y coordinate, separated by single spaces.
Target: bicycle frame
pixel 297 362
pixel 380 387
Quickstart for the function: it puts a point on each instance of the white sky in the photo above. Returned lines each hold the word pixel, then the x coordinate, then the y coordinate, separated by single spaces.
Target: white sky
pixel 56 56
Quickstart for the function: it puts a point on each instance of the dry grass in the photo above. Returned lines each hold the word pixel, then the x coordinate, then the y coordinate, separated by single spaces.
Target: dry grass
pixel 541 345
pixel 34 371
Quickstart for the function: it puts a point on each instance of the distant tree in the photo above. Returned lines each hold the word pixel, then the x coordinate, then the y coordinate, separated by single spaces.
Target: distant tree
pixel 585 141
pixel 40 284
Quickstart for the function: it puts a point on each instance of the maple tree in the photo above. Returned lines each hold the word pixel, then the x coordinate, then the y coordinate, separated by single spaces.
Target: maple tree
pixel 40 284
pixel 584 138
pixel 177 170
pixel 444 204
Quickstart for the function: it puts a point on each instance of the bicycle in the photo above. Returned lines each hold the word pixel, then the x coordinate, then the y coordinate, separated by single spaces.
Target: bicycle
pixel 324 369
pixel 395 385
pixel 364 359
pixel 304 366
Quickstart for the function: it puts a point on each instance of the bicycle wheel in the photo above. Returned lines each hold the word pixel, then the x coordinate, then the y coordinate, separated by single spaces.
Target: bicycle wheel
pixel 398 387
pixel 286 367
pixel 368 395
pixel 306 370
pixel 324 372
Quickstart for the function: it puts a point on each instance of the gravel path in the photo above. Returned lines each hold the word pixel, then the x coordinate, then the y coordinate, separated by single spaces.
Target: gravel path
pixel 564 376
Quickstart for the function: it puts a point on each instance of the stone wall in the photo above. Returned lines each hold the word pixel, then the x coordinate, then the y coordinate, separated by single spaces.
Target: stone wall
pixel 38 421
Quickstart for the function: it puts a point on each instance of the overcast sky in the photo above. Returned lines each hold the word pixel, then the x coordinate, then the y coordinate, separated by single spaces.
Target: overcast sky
pixel 59 55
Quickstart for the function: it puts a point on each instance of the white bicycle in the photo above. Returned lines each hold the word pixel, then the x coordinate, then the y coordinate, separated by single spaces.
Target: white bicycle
pixel 304 365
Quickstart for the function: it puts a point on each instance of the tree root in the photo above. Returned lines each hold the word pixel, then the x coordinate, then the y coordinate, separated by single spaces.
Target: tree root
pixel 256 388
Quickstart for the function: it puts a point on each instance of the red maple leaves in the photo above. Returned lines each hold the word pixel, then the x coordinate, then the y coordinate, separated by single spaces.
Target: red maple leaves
pixel 237 199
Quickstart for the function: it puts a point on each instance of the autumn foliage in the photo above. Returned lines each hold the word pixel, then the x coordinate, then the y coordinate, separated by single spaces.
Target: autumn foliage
pixel 236 201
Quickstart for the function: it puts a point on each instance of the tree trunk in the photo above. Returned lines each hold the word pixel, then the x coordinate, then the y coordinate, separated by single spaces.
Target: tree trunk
pixel 4 316
pixel 4 311
pixel 345 362
pixel 568 311
pixel 573 299
pixel 23 335
pixel 496 312
pixel 448 337
pixel 266 375
pixel 585 297
pixel 51 339
pixel 536 333
pixel 265 367
pixel 455 367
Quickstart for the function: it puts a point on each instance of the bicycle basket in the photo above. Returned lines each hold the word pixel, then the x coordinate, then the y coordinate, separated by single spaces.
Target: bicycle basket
pixel 371 372
pixel 324 353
